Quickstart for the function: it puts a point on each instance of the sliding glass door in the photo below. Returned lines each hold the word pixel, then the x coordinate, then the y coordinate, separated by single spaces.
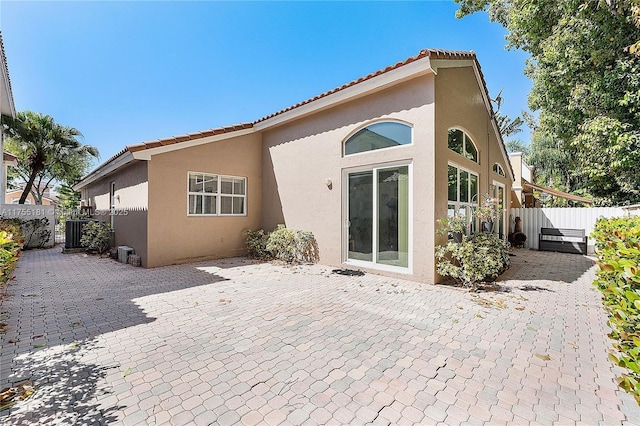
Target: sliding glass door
pixel 378 222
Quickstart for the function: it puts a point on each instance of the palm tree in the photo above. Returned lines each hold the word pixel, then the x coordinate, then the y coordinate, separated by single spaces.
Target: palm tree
pixel 45 146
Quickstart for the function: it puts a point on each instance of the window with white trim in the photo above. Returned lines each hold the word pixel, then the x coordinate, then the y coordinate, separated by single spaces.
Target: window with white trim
pixel 216 195
pixel 463 194
pixel 461 143
pixel 497 168
pixel 380 135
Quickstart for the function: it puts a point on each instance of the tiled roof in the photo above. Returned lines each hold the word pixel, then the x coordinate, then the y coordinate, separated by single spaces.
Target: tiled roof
pixel 188 137
pixel 430 53
pixel 8 157
pixel 6 68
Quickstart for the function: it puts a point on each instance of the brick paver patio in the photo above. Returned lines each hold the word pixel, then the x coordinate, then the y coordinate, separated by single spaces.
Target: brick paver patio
pixel 239 342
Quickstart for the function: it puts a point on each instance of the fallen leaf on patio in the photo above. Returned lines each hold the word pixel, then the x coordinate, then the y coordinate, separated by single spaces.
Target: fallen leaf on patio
pixel 37 336
pixel 195 303
pixel 38 346
pixel 573 345
pixel 14 340
pixel 519 308
pixel 543 357
pixel 126 372
pixel 73 324
pixel 479 316
pixel 455 321
pixel 20 392
pixel 99 298
pixel 3 327
pixel 459 307
pixel 531 328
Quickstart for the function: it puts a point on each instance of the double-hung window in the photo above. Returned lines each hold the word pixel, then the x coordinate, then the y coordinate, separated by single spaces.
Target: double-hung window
pixel 216 195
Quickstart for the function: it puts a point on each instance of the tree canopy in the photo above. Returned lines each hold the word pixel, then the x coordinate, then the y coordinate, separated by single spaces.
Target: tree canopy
pixel 585 69
pixel 46 151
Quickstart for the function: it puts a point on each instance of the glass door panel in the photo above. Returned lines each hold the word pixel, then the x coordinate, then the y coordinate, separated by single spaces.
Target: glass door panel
pixel 393 216
pixel 378 216
pixel 360 234
pixel 498 194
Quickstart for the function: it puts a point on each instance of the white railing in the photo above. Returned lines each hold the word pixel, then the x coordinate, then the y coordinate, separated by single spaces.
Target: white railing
pixel 560 217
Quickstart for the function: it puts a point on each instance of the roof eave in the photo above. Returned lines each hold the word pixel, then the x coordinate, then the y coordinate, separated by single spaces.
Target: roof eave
pixel 119 160
pixel 143 152
pixel 382 81
pixel 7 107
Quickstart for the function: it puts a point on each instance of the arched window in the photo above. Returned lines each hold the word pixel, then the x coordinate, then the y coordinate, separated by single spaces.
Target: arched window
pixel 498 169
pixel 381 135
pixel 461 143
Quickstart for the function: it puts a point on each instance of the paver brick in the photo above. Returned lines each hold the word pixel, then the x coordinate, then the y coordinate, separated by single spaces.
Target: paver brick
pixel 318 348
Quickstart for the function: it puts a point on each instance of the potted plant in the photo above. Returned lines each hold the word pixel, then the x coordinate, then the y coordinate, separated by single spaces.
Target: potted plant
pixel 487 213
pixel 455 226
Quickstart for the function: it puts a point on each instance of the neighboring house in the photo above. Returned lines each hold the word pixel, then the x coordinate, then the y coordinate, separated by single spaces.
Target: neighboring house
pixel 6 108
pixel 13 196
pixel 527 194
pixel 369 167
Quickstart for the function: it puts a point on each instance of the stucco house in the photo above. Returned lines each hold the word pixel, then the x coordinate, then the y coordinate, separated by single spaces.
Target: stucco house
pixel 368 167
pixel 7 108
pixel 12 196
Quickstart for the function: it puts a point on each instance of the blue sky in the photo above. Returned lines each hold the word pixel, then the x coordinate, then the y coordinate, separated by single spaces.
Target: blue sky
pixel 128 72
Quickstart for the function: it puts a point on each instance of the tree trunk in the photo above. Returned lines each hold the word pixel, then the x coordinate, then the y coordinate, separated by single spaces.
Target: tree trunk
pixel 29 185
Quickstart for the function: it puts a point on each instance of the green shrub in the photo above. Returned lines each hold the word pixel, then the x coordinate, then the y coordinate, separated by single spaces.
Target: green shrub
pixel 617 243
pixel 257 244
pixel 480 258
pixel 288 245
pixel 96 236
pixel 13 227
pixel 9 253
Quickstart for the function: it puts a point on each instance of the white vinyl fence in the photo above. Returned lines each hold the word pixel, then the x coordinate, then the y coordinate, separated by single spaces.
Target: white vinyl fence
pixel 560 217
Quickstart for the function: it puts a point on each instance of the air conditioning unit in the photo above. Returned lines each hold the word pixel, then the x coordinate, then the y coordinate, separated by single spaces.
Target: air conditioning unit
pixel 73 233
pixel 123 253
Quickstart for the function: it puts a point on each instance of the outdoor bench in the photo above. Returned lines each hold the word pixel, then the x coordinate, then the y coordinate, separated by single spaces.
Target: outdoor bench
pixel 562 240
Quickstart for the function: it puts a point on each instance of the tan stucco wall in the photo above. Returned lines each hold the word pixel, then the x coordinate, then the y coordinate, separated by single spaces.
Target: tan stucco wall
pixel 459 104
pixel 300 156
pixel 516 162
pixel 175 237
pixel 130 220
pixel 12 196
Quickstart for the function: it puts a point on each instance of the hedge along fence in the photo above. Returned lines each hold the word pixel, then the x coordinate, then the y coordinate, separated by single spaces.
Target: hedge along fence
pixel 618 278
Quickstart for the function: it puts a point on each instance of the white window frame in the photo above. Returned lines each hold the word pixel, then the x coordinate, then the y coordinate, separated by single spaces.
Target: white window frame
pixel 503 213
pixel 466 137
pixel 497 168
pixel 345 214
pixel 470 205
pixel 218 195
pixel 387 120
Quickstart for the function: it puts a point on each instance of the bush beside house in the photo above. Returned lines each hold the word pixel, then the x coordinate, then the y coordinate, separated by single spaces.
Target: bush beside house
pixel 618 278
pixel 288 245
pixel 474 259
pixel 11 242
pixel 96 237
